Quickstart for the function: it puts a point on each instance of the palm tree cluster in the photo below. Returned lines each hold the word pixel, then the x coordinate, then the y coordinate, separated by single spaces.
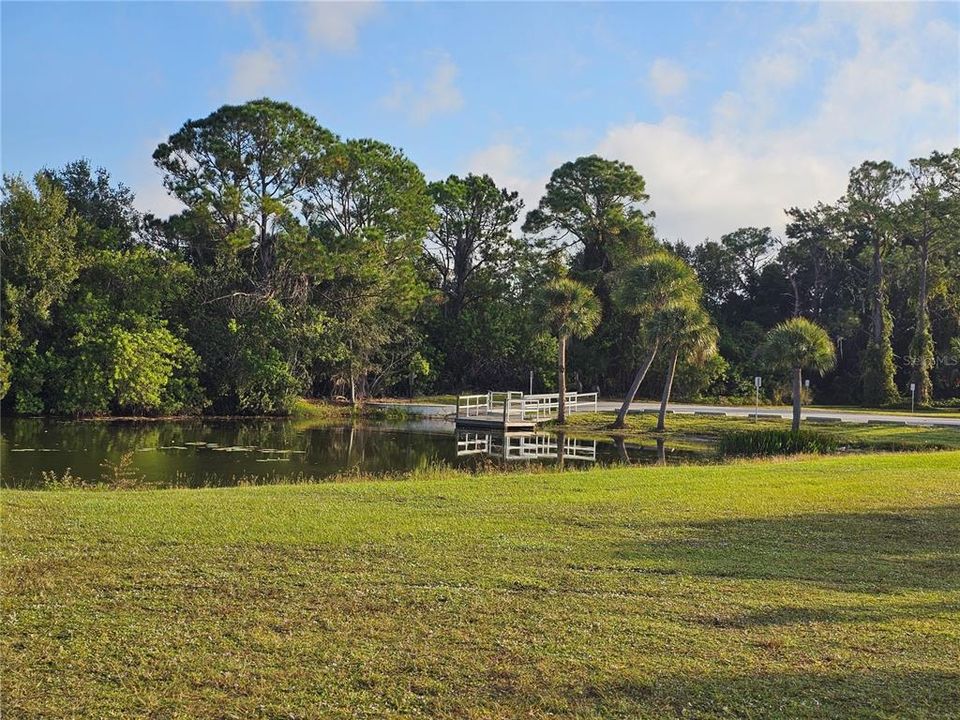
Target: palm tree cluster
pixel 663 293
pixel 658 288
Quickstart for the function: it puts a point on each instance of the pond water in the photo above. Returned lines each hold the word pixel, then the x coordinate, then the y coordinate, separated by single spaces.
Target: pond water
pixel 208 452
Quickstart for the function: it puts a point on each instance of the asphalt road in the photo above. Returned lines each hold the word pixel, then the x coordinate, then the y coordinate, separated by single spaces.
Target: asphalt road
pixel 851 416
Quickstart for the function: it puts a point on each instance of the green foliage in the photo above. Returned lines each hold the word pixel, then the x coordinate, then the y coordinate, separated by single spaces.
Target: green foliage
pixel 5 372
pixel 568 308
pixel 27 380
pixel 265 386
pixel 799 343
pixel 878 368
pixel 240 167
pixel 144 364
pixel 306 263
pixel 774 442
pixel 40 260
pixel 655 282
pixel 922 359
pixel 594 202
pixel 106 218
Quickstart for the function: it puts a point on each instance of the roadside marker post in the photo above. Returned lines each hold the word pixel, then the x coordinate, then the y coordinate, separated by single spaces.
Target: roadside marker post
pixel 913 395
pixel 757 381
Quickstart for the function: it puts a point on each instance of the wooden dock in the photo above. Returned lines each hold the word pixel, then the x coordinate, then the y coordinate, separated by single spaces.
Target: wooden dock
pixel 512 411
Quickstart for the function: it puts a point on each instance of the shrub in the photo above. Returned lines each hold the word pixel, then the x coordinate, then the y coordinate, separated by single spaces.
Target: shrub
pixel 775 442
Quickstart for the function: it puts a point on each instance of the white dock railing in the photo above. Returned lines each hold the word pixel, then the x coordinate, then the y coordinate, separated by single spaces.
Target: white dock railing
pixel 527 446
pixel 544 406
pixel 514 405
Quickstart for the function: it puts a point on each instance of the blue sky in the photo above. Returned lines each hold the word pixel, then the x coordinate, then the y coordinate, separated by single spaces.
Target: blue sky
pixel 731 111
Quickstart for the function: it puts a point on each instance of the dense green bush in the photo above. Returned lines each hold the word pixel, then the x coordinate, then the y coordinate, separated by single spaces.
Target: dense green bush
pixel 775 442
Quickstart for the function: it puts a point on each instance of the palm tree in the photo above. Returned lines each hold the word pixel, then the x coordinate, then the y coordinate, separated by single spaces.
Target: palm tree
pixel 796 345
pixel 689 332
pixel 646 288
pixel 568 309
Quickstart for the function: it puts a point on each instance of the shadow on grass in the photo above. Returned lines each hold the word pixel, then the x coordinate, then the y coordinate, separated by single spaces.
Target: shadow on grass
pixel 797 694
pixel 867 552
pixel 800 615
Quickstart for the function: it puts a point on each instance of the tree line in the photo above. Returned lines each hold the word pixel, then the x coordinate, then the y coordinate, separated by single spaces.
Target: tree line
pixel 309 264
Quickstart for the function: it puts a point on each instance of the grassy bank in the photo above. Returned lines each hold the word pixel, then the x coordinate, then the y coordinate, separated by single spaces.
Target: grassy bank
pixel 709 428
pixel 810 588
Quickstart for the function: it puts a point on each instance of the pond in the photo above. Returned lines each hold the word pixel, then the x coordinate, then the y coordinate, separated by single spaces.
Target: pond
pixel 207 452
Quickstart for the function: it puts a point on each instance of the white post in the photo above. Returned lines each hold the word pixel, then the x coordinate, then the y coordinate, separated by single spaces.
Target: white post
pixel 531 382
pixel 913 395
pixel 756 385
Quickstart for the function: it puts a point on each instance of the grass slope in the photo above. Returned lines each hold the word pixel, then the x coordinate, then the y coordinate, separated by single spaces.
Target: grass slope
pixel 680 427
pixel 814 588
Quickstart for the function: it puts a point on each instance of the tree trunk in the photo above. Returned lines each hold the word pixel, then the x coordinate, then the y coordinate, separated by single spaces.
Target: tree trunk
pixel 877 309
pixel 877 365
pixel 562 379
pixel 667 387
pixel 797 389
pixel 922 340
pixel 632 392
pixel 622 450
pixel 796 296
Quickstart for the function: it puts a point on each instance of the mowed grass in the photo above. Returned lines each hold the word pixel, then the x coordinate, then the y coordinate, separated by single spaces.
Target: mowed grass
pixel 810 588
pixel 867 436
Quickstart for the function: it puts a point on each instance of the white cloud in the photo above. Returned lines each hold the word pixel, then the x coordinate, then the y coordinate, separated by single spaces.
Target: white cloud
pixel 255 72
pixel 436 95
pixel 894 96
pixel 334 25
pixel 667 78
pixel 505 163
pixel 775 71
pixel 152 197
pixel 329 26
pixel 705 186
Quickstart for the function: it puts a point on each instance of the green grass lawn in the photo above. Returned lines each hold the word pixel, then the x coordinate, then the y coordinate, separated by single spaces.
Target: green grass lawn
pixel 811 588
pixel 895 410
pixel 681 427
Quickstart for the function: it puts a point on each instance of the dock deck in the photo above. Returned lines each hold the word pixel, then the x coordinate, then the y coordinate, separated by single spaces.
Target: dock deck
pixel 512 411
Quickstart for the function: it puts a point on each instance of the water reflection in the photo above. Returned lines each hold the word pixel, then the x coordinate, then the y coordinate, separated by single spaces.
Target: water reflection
pixel 225 452
pixel 525 446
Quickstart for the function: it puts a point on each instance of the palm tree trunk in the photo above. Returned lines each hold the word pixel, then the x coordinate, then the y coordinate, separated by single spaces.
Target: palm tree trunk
pixel 562 379
pixel 667 387
pixel 632 392
pixel 622 449
pixel 797 385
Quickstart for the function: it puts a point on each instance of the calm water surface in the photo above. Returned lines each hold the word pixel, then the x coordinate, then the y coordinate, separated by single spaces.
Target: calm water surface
pixel 225 452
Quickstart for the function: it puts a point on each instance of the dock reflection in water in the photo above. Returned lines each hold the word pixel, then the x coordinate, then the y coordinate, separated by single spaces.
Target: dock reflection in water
pixel 525 446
